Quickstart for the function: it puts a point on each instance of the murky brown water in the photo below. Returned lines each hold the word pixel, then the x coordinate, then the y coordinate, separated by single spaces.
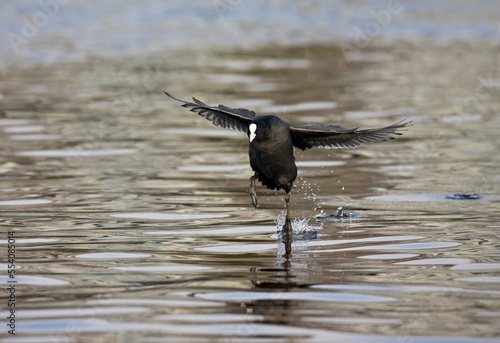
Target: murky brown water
pixel 132 217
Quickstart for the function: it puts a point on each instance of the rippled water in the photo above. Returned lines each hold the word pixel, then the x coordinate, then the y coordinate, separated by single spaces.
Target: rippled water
pixel 132 217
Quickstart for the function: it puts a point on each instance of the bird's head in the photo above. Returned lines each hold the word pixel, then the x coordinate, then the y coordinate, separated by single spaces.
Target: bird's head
pixel 258 132
pixel 266 129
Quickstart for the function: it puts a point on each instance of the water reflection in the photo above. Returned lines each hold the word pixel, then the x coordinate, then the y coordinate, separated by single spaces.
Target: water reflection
pixel 164 269
pixel 229 231
pixel 76 153
pixel 242 297
pixel 303 106
pixel 34 137
pixel 430 197
pixel 112 255
pixel 83 311
pixel 396 256
pixel 23 129
pixel 33 280
pixel 168 216
pixel 24 202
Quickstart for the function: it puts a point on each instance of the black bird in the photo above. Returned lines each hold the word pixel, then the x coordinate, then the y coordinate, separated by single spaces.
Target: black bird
pixel 272 141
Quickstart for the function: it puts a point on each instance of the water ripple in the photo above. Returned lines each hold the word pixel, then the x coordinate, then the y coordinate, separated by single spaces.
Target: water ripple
pixel 76 153
pixel 24 202
pixel 112 255
pixel 34 280
pixel 169 216
pixel 303 296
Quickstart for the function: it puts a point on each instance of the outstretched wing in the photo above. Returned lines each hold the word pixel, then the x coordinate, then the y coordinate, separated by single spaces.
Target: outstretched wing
pixel 336 137
pixel 230 118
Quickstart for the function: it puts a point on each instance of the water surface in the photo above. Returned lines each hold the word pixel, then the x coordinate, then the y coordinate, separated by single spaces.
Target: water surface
pixel 132 216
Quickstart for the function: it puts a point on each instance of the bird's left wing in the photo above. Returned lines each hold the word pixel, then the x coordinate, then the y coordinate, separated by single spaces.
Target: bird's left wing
pixel 231 118
pixel 336 137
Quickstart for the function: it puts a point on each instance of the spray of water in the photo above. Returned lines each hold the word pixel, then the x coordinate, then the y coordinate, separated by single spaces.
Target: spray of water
pixel 308 189
pixel 301 230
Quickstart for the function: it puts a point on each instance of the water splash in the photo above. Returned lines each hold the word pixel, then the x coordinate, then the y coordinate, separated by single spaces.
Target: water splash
pixel 301 230
pixel 340 215
pixel 309 192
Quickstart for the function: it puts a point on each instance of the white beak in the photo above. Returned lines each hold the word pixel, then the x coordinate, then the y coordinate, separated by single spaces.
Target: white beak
pixel 252 129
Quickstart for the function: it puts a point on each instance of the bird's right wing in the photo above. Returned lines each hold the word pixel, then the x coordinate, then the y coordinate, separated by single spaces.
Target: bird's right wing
pixel 230 118
pixel 336 137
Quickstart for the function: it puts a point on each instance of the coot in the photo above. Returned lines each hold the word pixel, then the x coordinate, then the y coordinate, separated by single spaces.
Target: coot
pixel 272 141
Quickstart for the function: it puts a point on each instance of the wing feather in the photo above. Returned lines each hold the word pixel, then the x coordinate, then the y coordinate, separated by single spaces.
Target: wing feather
pixel 230 118
pixel 336 137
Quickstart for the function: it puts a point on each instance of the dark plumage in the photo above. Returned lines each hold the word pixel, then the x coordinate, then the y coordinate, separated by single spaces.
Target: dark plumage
pixel 272 141
pixel 271 153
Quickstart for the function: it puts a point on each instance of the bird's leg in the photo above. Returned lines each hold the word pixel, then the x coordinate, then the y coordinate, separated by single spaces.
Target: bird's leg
pixel 288 222
pixel 253 194
pixel 287 200
pixel 287 228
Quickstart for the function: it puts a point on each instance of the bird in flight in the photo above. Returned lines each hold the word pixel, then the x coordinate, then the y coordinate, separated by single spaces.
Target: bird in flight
pixel 271 141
